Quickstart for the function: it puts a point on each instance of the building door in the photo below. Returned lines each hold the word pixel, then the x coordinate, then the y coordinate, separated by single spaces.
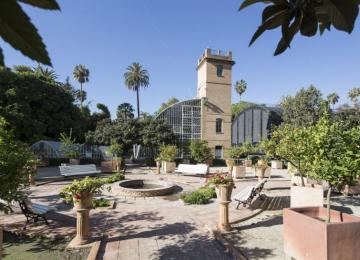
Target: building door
pixel 218 152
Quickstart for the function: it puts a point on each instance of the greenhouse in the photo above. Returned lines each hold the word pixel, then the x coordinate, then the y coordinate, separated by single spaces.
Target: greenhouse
pixel 254 123
pixel 184 118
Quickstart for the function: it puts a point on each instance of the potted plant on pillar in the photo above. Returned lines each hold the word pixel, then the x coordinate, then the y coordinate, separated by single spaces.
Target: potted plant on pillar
pixel 70 148
pixel 223 187
pixel 334 235
pixel 247 149
pixel 82 192
pixel 168 156
pixel 238 170
pixel 200 151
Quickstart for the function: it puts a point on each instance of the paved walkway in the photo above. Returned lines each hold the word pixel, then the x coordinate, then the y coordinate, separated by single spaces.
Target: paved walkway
pixel 150 228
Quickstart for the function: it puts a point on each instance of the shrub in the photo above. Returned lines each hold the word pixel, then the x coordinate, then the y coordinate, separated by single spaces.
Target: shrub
pixel 195 198
pixel 100 203
pixel 68 146
pixel 114 178
pixel 201 196
pixel 168 153
pixel 200 151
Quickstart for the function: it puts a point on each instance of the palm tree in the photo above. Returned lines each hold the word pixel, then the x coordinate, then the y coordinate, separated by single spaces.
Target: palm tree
pixel 45 73
pixel 354 94
pixel 333 98
pixel 125 111
pixel 81 74
pixel 135 77
pixel 240 87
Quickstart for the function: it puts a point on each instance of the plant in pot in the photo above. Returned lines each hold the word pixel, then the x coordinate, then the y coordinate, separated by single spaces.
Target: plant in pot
pixel 168 156
pixel 238 170
pixel 261 166
pixel 335 159
pixel 200 151
pixel 117 152
pixel 248 149
pixel 70 148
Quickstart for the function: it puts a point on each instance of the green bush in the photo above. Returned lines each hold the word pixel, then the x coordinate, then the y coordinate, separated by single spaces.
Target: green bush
pixel 100 203
pixel 114 178
pixel 199 197
pixel 168 153
pixel 200 151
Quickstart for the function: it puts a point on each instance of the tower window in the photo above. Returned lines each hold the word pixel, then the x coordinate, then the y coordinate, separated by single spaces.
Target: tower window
pixel 220 70
pixel 219 125
pixel 218 152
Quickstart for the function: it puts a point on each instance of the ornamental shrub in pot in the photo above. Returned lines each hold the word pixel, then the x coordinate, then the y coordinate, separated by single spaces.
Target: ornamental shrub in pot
pixel 200 151
pixel 168 156
pixel 234 154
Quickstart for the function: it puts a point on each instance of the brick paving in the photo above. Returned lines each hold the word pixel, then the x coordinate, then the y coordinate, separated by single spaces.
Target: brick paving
pixel 144 228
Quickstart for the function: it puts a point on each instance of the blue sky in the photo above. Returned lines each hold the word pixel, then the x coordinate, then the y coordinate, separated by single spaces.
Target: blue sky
pixel 168 37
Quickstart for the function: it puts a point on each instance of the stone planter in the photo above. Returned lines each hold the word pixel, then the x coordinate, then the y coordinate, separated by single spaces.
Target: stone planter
pixel 239 171
pixel 84 202
pixel 169 167
pixel 223 193
pixel 248 163
pixel 292 170
pixel 306 196
pixel 276 164
pixel 260 172
pixel 74 161
pixel 108 166
pixel 307 236
pixel 158 166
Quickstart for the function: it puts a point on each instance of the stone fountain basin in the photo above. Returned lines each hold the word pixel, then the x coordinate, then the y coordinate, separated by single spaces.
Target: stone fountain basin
pixel 145 188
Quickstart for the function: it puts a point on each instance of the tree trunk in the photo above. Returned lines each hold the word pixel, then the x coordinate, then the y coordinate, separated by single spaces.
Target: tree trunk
pixel 328 206
pixel 138 101
pixel 81 96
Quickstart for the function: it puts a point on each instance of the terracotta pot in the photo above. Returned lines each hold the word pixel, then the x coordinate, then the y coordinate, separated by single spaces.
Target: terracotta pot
pixel 74 161
pixel 260 173
pixel 276 164
pixel 169 167
pixel 307 236
pixel 248 163
pixel 84 202
pixel 223 192
pixel 239 171
pixel 209 162
pixel 108 166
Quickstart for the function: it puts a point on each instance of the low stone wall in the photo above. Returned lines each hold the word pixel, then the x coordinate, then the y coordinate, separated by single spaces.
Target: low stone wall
pixel 123 189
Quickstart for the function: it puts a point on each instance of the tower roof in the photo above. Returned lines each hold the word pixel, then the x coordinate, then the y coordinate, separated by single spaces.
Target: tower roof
pixel 216 55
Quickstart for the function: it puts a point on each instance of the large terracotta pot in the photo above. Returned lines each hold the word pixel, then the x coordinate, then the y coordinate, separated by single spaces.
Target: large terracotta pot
pixel 84 202
pixel 307 236
pixel 223 192
pixel 260 172
pixel 108 166
pixel 169 167
pixel 276 164
pixel 248 163
pixel 239 171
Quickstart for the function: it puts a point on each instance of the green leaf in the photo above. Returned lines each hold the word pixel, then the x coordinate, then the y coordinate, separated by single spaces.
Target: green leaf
pixel 271 10
pixel 17 29
pixel 288 36
pixel 342 13
pixel 309 24
pixel 275 21
pixel 246 3
pixel 44 4
pixel 2 63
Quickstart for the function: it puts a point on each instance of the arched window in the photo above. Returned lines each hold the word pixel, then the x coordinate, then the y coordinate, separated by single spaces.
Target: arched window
pixel 219 125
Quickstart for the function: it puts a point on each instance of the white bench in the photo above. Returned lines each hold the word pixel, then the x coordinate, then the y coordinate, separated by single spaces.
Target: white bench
pixel 202 169
pixel 75 170
pixel 246 195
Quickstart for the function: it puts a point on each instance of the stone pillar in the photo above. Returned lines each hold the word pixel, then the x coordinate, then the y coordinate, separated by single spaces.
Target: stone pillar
pixel 82 228
pixel 224 195
pixel 158 165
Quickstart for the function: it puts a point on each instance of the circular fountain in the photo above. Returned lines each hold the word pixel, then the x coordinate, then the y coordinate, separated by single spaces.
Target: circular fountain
pixel 145 188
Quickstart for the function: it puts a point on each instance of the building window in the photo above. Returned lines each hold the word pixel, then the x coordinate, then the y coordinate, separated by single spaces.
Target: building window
pixel 218 152
pixel 220 70
pixel 219 126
